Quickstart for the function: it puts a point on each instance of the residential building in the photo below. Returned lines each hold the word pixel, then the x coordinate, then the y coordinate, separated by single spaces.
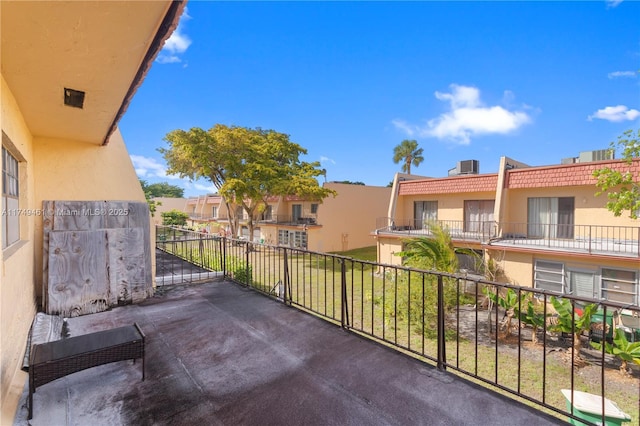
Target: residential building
pixel 207 212
pixel 69 71
pixel 336 223
pixel 544 226
pixel 165 204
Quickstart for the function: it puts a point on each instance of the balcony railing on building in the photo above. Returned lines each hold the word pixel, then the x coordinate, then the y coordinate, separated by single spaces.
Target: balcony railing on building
pixel 205 216
pixel 592 239
pixel 283 219
pixel 459 323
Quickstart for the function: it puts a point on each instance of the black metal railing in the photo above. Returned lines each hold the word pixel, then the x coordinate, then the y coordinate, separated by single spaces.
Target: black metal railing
pixel 591 239
pixel 499 335
pixel 285 219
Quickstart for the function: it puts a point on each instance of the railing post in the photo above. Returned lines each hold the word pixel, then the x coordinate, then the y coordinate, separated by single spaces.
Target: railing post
pixel 441 342
pixel 344 314
pixel 286 296
pixel 223 253
pixel 201 250
pixel 247 268
pixel 589 239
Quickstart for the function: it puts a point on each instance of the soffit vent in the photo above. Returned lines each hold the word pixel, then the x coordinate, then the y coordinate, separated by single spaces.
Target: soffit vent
pixel 73 98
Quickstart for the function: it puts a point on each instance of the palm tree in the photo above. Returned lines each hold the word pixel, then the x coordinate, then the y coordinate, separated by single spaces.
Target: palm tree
pixel 408 152
pixel 434 252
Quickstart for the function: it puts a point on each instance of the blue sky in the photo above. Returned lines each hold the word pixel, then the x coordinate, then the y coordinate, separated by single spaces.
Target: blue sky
pixel 348 81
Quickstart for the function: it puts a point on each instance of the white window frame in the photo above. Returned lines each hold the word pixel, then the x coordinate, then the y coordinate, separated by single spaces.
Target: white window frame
pixel 604 291
pixel 10 197
pixel 573 273
pixel 543 215
pixel 478 215
pixel 283 237
pixel 424 211
pixel 540 270
pixel 296 212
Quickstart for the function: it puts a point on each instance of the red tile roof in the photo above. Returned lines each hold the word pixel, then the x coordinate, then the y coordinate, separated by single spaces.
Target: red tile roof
pixel 579 174
pixel 456 184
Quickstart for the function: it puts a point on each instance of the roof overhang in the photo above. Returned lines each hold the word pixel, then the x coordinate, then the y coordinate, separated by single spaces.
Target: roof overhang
pixel 101 48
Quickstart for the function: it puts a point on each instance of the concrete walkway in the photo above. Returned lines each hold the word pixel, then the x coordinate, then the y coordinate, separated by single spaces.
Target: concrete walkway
pixel 221 354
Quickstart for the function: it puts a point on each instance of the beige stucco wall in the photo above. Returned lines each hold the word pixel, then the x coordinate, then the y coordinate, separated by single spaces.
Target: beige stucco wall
pixel 588 209
pixel 519 265
pixel 17 271
pixel 50 169
pixel 349 218
pixel 72 170
pixel 168 204
pixel 387 247
pixel 450 206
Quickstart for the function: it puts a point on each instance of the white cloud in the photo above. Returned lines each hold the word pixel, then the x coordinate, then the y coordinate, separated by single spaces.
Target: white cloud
pixel 615 114
pixel 467 117
pixel 616 74
pixel 612 3
pixel 168 59
pixel 149 167
pixel 324 159
pixel 405 127
pixel 208 188
pixel 177 44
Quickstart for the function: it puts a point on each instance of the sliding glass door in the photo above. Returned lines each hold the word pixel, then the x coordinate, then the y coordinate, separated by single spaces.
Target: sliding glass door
pixel 550 217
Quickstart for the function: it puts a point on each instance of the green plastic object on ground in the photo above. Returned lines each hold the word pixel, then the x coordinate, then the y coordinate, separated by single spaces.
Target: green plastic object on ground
pixel 587 406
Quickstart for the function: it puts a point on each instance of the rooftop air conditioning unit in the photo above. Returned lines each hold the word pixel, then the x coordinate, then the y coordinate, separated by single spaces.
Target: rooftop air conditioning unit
pixel 598 155
pixel 468 167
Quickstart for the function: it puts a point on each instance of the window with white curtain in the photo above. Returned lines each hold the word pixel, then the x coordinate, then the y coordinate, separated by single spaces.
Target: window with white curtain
pixel 550 217
pixel 478 215
pixel 424 211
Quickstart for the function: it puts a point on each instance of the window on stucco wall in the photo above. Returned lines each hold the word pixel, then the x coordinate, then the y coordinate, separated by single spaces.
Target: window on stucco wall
pixel 10 197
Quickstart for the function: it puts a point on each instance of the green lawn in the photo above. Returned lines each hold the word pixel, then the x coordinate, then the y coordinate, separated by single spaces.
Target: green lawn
pixel 368 254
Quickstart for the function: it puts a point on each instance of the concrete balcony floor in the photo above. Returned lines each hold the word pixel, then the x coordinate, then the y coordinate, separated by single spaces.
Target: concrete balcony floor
pixel 217 353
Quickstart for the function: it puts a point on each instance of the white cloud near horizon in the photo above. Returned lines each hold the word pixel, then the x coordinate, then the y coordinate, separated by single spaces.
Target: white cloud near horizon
pixel 176 44
pixel 467 117
pixel 615 114
pixel 613 3
pixel 209 188
pixel 324 159
pixel 149 167
pixel 618 74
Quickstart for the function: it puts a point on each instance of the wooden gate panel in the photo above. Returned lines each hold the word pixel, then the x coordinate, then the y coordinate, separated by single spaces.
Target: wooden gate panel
pixel 77 273
pixel 139 217
pixel 78 215
pixel 105 263
pixel 127 266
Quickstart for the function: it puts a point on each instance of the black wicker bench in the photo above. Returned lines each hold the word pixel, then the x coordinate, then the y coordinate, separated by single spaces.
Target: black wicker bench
pixel 53 360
